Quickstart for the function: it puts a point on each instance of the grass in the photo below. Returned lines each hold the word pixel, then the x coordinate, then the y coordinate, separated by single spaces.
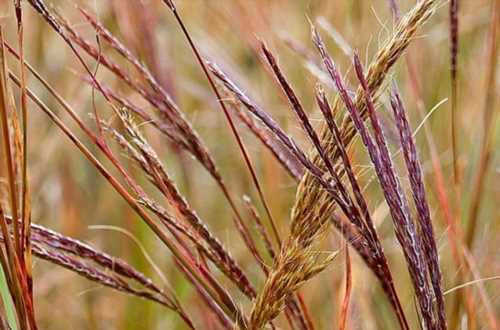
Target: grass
pixel 263 214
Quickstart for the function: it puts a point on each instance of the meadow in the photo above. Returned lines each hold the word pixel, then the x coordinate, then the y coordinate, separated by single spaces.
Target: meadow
pixel 196 164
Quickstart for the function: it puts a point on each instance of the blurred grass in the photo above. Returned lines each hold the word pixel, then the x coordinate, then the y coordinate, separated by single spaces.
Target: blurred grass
pixel 7 302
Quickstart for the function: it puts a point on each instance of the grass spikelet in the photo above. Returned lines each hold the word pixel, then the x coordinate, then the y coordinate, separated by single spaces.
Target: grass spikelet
pixel 201 277
pixel 239 155
pixel 314 206
pixel 229 120
pixel 420 200
pixel 159 174
pixel 297 268
pixel 405 229
pixel 277 149
pixel 99 267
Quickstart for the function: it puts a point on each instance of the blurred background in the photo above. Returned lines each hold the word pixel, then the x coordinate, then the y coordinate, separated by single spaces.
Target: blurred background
pixel 69 195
